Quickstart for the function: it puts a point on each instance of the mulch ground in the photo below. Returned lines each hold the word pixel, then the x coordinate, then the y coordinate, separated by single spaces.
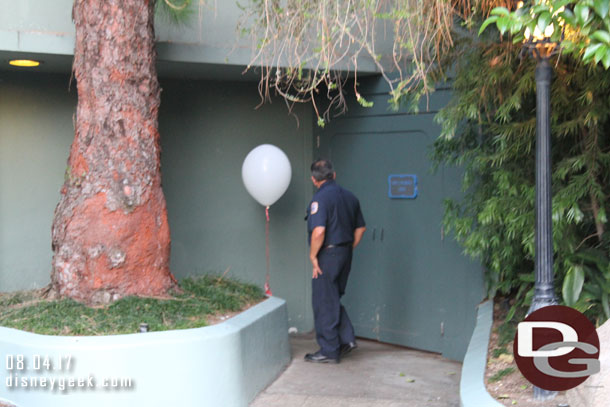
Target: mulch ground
pixel 511 389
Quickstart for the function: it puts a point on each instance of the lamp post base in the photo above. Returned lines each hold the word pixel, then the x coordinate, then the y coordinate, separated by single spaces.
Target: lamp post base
pixel 543 297
pixel 541 394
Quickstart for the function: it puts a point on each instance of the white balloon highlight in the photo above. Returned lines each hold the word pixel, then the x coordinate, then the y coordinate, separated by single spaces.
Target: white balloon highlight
pixel 266 173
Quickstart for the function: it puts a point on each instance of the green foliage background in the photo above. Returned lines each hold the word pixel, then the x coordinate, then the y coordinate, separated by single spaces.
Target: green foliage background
pixel 489 128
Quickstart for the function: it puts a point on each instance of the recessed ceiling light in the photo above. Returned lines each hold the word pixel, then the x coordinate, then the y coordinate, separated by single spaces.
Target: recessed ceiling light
pixel 24 62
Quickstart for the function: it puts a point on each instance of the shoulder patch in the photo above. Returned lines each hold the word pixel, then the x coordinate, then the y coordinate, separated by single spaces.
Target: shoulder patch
pixel 314 208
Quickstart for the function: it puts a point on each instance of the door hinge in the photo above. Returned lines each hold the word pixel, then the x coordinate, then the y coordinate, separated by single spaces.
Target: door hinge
pixel 442 328
pixel 317 141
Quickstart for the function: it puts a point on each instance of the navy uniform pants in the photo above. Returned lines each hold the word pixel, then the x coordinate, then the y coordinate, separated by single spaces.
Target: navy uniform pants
pixel 332 324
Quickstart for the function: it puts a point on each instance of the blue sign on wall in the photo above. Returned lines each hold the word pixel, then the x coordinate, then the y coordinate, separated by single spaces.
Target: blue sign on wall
pixel 402 186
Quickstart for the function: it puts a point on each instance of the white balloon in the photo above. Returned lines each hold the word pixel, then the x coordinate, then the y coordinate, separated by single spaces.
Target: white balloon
pixel 266 173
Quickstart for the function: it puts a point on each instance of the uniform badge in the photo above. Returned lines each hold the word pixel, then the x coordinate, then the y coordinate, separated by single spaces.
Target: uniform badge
pixel 314 208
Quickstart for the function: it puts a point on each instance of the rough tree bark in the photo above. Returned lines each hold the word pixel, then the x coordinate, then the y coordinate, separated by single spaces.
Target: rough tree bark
pixel 110 232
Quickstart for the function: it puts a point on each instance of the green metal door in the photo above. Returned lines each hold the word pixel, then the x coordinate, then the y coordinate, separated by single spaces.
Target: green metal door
pixel 410 284
pixel 391 294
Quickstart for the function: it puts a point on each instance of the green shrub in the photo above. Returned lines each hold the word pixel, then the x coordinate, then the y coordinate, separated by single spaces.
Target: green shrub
pixel 489 128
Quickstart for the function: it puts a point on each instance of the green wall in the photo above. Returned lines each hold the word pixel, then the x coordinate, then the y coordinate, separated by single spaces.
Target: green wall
pixel 35 136
pixel 207 129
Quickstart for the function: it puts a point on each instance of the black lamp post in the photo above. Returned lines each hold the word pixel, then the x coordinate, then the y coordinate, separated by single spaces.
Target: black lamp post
pixel 544 293
pixel 542 49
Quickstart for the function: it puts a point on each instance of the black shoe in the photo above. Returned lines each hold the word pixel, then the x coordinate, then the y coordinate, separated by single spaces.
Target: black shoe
pixel 346 348
pixel 318 357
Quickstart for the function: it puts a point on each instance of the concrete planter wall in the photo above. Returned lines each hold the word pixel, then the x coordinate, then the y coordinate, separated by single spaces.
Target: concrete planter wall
pixel 472 383
pixel 221 365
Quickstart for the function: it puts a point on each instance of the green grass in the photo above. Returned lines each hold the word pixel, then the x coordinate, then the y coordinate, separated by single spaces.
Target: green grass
pixel 202 297
pixel 506 333
pixel 502 373
pixel 500 351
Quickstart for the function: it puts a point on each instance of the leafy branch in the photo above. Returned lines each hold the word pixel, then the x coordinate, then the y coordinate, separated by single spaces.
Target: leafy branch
pixel 582 26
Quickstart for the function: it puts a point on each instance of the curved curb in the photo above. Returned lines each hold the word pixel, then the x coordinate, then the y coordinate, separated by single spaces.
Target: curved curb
pixel 221 365
pixel 472 383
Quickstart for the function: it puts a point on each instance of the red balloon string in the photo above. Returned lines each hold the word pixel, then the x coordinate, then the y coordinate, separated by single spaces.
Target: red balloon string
pixel 267 288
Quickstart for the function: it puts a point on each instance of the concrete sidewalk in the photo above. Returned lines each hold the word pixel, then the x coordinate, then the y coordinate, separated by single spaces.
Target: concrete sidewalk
pixel 374 375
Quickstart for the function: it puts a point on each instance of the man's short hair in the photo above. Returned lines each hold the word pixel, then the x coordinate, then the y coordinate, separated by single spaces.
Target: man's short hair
pixel 322 170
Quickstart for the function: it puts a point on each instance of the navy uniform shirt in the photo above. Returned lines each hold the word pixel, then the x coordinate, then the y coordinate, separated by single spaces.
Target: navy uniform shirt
pixel 338 210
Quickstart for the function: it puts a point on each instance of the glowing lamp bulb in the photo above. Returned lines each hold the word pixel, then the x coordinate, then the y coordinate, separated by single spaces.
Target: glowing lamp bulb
pixel 28 63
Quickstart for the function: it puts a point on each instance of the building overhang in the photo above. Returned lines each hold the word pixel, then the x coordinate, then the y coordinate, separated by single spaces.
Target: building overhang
pixel 207 47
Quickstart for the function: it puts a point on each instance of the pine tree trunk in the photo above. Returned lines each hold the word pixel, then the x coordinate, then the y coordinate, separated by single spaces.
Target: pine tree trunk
pixel 110 232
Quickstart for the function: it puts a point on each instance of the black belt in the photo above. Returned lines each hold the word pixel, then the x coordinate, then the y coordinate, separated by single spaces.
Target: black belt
pixel 330 246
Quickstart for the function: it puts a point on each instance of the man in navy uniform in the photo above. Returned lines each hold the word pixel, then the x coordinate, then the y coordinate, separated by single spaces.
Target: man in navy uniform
pixel 335 225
